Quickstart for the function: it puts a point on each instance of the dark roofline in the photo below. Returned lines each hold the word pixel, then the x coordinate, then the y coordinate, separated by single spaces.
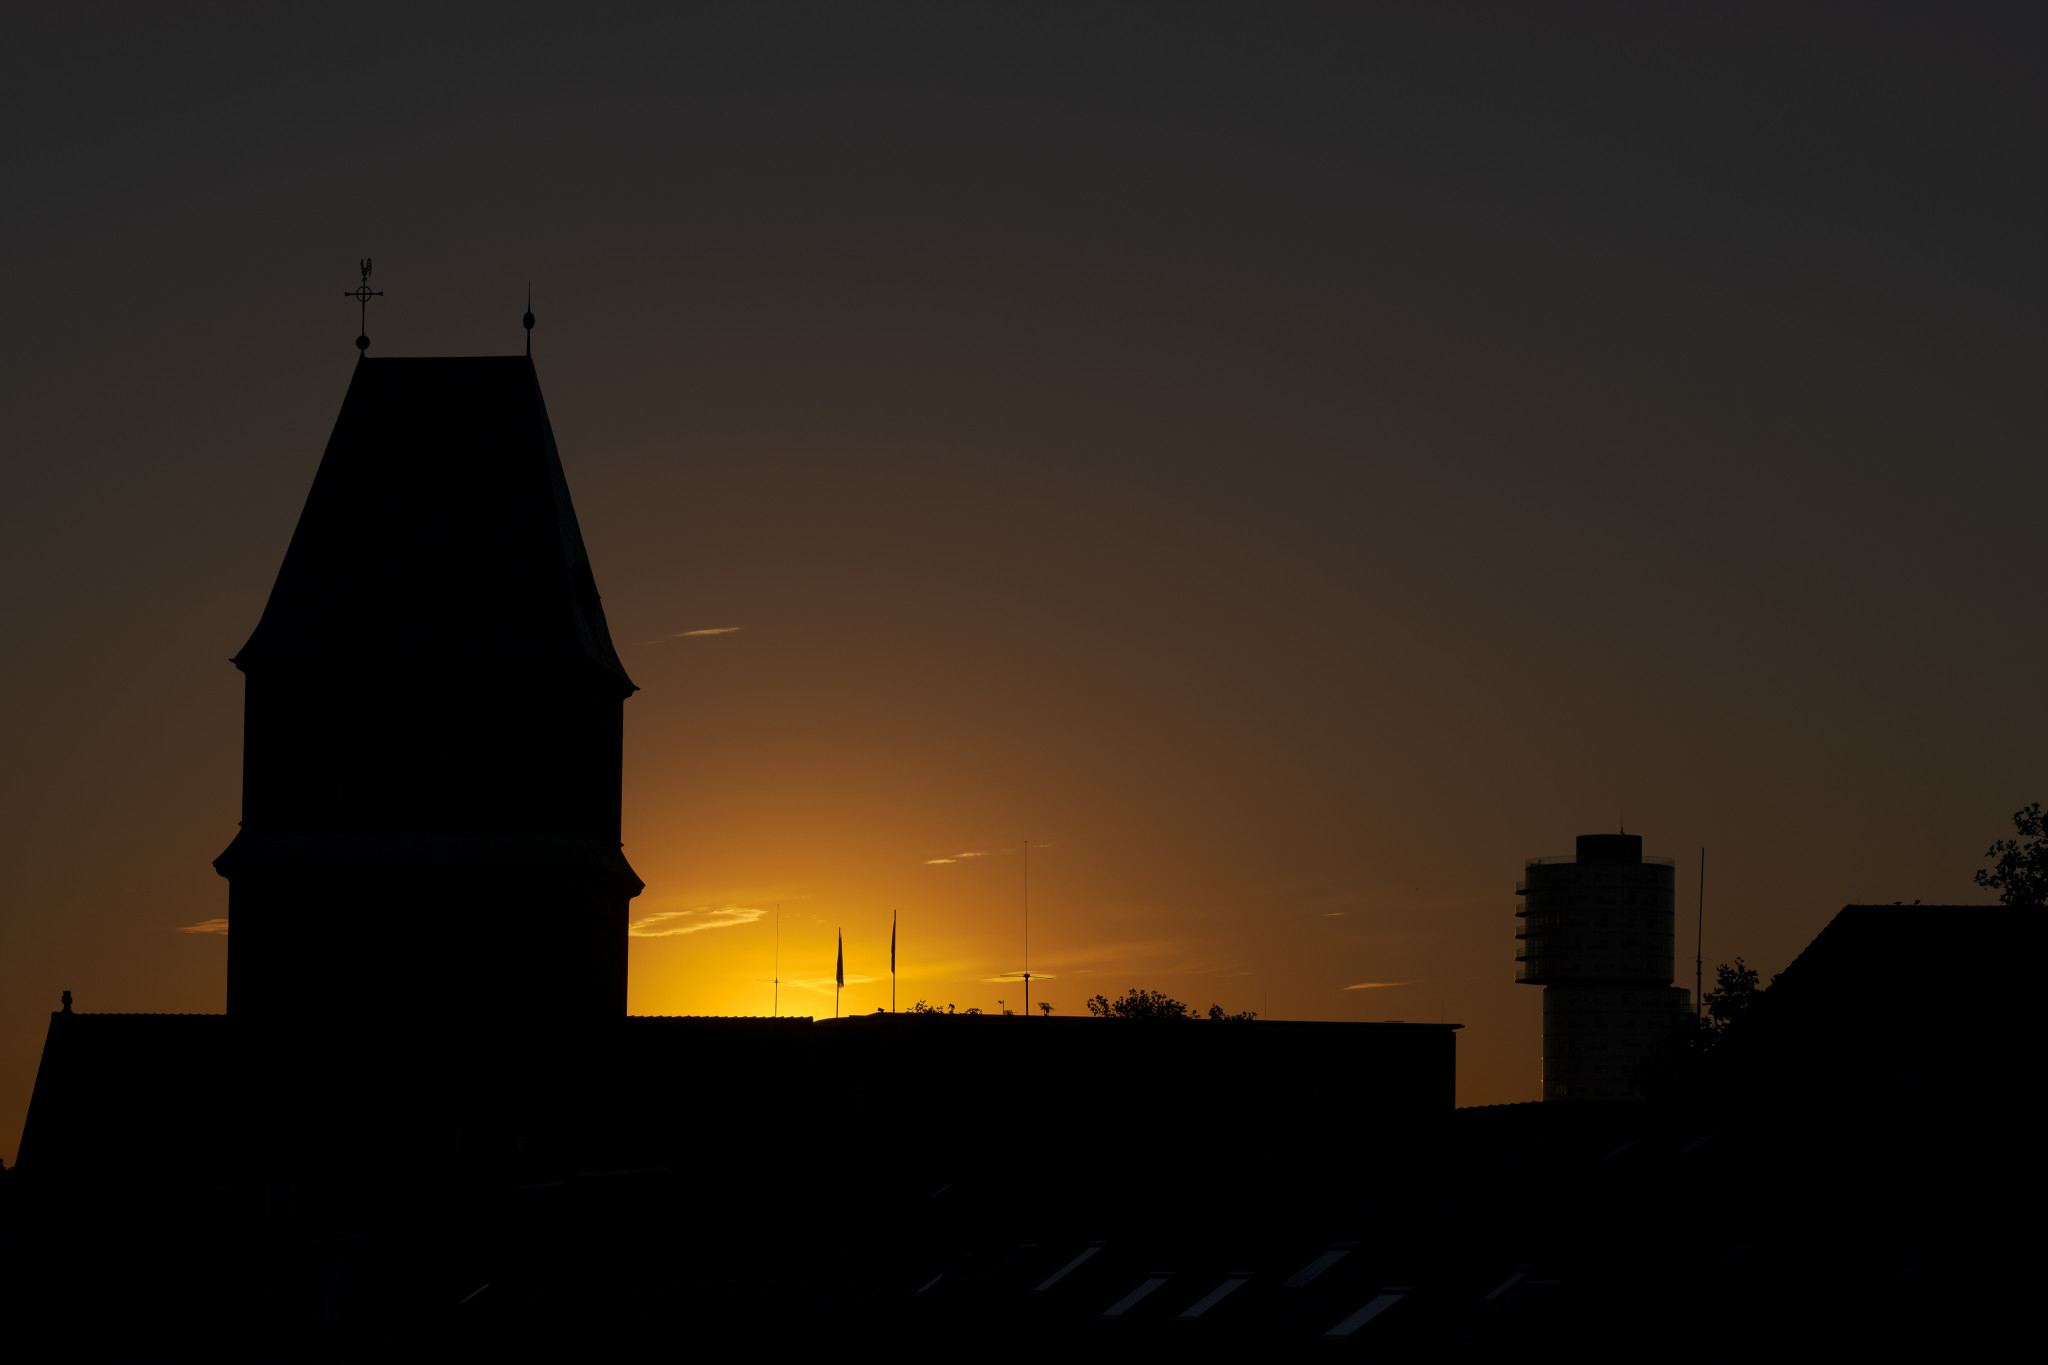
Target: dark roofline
pixel 131 1014
pixel 1069 1020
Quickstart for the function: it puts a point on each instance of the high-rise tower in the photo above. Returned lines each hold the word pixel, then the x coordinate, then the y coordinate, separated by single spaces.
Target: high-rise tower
pixel 1596 934
pixel 431 735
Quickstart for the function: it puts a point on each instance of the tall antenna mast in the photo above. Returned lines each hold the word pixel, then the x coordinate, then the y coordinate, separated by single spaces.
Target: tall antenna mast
pixel 1699 947
pixel 778 959
pixel 1027 928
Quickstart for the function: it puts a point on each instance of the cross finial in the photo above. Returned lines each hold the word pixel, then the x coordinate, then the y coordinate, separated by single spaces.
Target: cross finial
pixel 362 294
pixel 528 319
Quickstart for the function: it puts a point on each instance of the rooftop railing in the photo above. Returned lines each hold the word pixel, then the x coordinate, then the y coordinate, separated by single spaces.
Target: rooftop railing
pixel 1573 857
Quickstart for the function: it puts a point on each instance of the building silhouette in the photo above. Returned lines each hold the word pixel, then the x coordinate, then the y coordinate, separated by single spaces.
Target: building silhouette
pixel 432 745
pixel 1848 1173
pixel 428 896
pixel 432 726
pixel 427 1129
pixel 1597 936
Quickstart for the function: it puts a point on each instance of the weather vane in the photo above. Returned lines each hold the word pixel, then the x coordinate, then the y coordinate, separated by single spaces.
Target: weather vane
pixel 362 294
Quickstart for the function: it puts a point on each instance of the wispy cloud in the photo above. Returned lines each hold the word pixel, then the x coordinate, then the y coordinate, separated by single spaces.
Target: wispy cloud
pixel 205 926
pixel 1376 985
pixel 668 923
pixel 1019 976
pixel 824 984
pixel 972 853
pixel 686 634
pixel 1334 914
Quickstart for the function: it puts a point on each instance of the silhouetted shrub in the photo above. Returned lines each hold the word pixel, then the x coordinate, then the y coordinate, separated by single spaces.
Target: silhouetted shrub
pixel 2019 873
pixel 1680 1066
pixel 1137 1004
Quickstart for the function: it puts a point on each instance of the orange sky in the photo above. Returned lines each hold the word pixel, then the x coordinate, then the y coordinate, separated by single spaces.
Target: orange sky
pixel 1290 475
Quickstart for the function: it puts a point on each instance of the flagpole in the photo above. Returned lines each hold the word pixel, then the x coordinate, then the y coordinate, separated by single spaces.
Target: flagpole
pixel 839 974
pixel 892 962
pixel 1027 928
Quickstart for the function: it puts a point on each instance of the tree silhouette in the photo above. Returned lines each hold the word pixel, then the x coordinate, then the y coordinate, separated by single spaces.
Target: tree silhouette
pixel 2019 873
pixel 1679 1065
pixel 1735 990
pixel 1137 1004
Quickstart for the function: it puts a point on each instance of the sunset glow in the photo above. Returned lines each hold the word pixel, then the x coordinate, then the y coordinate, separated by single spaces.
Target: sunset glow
pixel 1287 479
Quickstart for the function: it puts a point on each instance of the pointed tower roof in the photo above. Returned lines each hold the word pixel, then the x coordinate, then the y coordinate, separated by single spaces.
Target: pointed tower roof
pixel 439 532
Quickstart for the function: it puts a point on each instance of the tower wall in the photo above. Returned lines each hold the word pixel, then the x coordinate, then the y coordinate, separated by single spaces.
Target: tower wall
pixel 1597 934
pixel 429 865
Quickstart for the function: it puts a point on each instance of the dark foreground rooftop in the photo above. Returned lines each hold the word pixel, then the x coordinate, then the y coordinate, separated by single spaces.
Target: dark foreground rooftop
pixel 1608 1226
pixel 1845 1181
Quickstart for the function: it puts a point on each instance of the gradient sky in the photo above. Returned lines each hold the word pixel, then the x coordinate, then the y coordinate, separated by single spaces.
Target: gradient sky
pixel 1289 466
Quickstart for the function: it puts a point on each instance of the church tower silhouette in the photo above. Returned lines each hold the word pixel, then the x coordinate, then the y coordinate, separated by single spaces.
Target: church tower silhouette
pixel 432 735
pixel 428 906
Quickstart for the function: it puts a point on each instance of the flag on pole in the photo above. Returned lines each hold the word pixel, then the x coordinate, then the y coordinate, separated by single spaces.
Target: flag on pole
pixel 839 971
pixel 892 943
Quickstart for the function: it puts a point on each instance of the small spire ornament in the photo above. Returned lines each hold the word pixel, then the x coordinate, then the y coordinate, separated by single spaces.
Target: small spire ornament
pixel 362 294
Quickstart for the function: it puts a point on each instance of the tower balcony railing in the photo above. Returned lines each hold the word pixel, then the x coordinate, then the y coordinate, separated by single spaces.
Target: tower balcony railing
pixel 1550 972
pixel 1573 857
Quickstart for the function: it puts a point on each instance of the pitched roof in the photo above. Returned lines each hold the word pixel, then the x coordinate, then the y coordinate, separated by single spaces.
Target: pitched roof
pixel 129 1093
pixel 439 531
pixel 1906 1001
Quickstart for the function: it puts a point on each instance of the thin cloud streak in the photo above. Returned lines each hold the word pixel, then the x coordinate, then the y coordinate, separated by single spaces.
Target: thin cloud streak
pixel 1377 985
pixel 715 630
pixel 823 985
pixel 205 926
pixel 978 853
pixel 1136 958
pixel 668 923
